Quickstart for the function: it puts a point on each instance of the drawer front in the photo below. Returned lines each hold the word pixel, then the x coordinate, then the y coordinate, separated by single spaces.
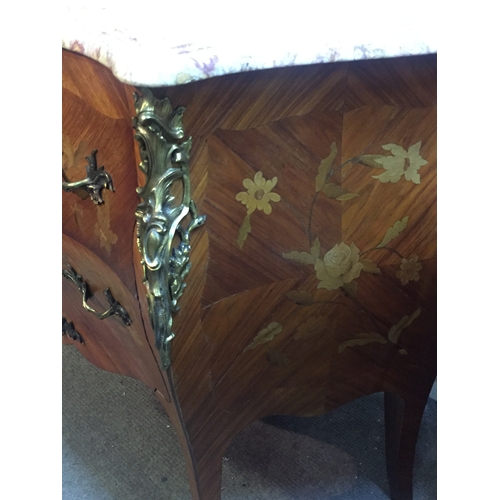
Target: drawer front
pixel 108 343
pixel 98 163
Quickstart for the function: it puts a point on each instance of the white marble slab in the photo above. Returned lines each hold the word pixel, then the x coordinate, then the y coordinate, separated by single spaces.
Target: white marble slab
pixel 157 43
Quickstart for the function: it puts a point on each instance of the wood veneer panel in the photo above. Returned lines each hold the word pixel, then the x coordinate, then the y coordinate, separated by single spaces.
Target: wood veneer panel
pixel 366 218
pixel 247 100
pixel 237 290
pixel 277 150
pixel 408 82
pixel 95 84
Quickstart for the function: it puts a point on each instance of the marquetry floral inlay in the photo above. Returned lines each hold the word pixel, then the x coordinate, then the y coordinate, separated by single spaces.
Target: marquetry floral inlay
pixel 339 266
pixel 257 196
pixel 265 335
pixel 102 228
pixel 73 158
pixel 392 335
pixel 342 265
pixel 409 270
pixel 401 163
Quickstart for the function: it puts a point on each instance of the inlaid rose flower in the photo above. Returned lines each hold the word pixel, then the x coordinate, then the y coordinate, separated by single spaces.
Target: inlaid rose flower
pixel 409 269
pixel 402 162
pixel 258 194
pixel 340 265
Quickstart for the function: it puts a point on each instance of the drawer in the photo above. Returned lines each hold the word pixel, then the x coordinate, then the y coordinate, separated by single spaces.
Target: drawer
pixel 108 343
pixel 98 150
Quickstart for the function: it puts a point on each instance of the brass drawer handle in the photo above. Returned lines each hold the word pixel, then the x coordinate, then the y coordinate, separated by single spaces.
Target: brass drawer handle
pixel 69 329
pixel 115 307
pixel 97 179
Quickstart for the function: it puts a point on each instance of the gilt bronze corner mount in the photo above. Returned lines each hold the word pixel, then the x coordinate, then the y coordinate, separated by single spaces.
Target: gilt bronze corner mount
pixel 163 234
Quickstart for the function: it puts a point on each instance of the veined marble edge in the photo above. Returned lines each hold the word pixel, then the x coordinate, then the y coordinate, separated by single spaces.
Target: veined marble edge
pixel 180 65
pixel 165 46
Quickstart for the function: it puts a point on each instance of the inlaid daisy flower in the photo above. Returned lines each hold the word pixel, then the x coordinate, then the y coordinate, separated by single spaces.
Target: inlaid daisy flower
pixel 409 269
pixel 258 194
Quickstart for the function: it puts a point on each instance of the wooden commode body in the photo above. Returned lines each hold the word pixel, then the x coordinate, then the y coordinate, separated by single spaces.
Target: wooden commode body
pixel 307 248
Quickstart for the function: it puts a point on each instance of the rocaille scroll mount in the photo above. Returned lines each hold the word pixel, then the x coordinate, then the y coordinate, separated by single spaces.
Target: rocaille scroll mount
pixel 163 235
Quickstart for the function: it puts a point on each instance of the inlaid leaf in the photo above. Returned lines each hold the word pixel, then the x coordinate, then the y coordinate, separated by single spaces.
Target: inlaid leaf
pixel 337 193
pixel 325 166
pixel 67 150
pixel 81 152
pixel 362 339
pixel 413 316
pixel 347 196
pixel 332 190
pixel 102 228
pixel 302 297
pixel 245 229
pixel 369 160
pixel 75 158
pixel 370 267
pixel 404 322
pixel 300 257
pixel 82 193
pixel 77 213
pixel 394 231
pixel 277 358
pixel 265 335
pixel 315 249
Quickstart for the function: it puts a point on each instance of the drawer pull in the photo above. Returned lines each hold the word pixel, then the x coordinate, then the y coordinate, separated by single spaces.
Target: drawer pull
pixel 97 179
pixel 69 329
pixel 115 307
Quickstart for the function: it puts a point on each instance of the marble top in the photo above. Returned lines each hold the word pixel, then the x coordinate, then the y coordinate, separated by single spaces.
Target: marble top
pixel 161 43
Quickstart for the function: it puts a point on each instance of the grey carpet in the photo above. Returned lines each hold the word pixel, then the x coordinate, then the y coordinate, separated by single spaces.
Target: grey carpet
pixel 118 444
